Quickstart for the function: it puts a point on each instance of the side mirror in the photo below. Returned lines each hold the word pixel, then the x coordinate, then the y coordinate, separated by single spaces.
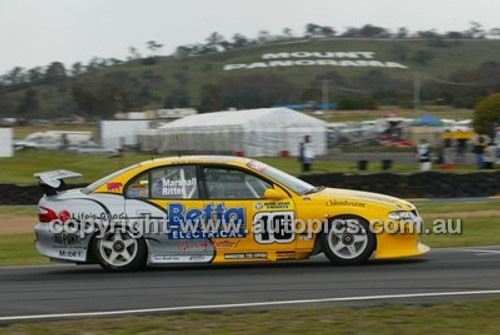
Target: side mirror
pixel 274 194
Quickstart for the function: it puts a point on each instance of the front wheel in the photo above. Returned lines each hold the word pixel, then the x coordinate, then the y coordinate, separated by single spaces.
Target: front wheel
pixel 119 251
pixel 348 240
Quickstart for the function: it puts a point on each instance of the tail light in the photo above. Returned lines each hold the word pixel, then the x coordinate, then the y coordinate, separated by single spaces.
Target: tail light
pixel 46 214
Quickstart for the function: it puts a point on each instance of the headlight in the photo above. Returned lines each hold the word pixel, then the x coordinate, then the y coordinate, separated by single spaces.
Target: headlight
pixel 401 215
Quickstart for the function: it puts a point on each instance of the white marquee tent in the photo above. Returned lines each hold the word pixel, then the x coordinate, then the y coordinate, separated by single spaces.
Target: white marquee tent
pixel 263 132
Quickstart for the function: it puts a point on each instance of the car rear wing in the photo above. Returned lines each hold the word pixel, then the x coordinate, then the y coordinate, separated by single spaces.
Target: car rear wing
pixel 53 181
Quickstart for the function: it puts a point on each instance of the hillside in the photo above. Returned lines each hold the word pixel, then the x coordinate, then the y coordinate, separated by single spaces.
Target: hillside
pixel 272 74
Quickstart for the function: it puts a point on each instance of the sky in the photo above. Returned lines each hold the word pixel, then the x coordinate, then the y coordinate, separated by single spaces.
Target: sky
pixel 38 32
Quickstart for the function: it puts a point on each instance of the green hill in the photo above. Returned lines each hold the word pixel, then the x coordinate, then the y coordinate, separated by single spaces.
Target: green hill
pixel 457 72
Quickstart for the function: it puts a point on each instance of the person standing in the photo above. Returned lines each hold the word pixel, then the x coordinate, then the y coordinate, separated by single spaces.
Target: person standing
pixel 490 154
pixel 424 155
pixel 479 151
pixel 448 149
pixel 306 154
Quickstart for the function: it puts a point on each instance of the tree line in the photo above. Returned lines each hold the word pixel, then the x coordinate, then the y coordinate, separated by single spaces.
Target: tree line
pixel 72 89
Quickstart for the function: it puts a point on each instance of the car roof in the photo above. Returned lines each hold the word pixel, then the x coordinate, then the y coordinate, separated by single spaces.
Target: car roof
pixel 197 159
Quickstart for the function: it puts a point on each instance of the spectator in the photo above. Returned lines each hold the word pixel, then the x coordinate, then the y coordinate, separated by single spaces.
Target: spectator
pixel 490 154
pixel 448 150
pixel 424 155
pixel 479 151
pixel 306 154
pixel 461 149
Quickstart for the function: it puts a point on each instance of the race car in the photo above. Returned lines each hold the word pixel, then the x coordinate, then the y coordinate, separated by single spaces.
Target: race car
pixel 215 209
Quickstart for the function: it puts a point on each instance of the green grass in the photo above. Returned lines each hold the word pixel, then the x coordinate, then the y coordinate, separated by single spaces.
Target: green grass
pixel 425 208
pixel 478 231
pixel 455 318
pixel 20 168
pixel 19 249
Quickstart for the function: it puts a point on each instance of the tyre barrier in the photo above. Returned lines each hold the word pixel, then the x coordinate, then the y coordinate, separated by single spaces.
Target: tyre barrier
pixel 419 185
pixel 11 194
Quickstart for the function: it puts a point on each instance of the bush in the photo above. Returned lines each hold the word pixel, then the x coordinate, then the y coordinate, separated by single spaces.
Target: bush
pixel 486 114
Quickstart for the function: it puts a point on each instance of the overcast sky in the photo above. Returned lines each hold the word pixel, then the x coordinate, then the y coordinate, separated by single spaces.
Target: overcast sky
pixel 37 32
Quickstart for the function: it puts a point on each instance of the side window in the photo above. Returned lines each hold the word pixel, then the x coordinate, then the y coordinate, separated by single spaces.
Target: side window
pixel 174 182
pixel 224 183
pixel 139 186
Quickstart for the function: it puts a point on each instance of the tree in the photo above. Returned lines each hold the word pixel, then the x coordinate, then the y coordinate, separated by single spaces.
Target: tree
pixel 30 105
pixel 240 41
pixel 402 33
pixel 55 72
pixel 15 76
pixel 211 98
pixel 423 56
pixel 134 53
pixel 77 69
pixel 287 32
pixel 215 42
pixel 486 114
pixel 35 74
pixel 154 46
pixel 178 98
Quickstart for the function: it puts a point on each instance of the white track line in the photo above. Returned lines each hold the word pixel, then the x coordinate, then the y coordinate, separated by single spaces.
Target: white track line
pixel 241 305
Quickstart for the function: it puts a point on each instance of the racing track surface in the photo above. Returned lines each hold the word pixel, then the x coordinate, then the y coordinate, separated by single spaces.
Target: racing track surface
pixel 75 289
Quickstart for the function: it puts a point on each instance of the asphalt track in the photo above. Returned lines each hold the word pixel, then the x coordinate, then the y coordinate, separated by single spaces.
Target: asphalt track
pixel 60 291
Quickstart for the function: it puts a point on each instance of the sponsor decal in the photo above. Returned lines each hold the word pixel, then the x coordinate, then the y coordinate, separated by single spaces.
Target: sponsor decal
pixel 274 227
pixel 164 258
pixel 186 245
pixel 64 216
pixel 277 205
pixel 259 206
pixel 211 221
pixel 114 186
pixel 305 58
pixel 70 253
pixel 334 202
pixel 257 166
pixel 66 239
pixel 225 244
pixel 255 255
pixel 175 187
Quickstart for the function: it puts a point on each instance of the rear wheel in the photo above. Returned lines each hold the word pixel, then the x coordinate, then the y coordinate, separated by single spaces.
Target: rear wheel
pixel 119 251
pixel 348 240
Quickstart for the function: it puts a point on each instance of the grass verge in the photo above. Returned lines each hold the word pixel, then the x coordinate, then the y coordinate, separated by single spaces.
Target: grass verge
pixel 470 317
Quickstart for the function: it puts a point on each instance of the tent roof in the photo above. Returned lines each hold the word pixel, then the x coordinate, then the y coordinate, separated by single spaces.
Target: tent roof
pixel 429 119
pixel 281 116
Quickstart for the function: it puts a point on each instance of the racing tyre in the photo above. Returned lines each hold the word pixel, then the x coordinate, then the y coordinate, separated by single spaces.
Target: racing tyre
pixel 347 240
pixel 119 251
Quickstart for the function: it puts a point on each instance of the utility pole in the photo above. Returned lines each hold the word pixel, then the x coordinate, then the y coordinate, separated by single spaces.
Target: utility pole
pixel 416 94
pixel 324 85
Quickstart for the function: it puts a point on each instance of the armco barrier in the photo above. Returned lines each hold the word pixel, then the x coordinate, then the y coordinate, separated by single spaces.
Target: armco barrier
pixel 419 185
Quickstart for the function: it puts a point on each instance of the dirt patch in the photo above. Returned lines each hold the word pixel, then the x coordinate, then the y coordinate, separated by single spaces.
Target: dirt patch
pixel 17 224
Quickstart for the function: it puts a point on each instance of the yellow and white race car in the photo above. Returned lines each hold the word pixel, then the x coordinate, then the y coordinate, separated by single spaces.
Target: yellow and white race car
pixel 216 209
